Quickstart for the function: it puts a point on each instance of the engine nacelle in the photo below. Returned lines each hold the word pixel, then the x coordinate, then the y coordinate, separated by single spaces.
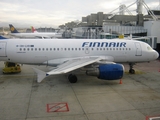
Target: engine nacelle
pixel 108 71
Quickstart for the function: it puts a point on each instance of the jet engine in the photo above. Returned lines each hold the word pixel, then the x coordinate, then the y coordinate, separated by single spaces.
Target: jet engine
pixel 107 71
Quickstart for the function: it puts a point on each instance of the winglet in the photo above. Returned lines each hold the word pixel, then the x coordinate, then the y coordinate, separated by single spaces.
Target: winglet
pixel 13 29
pixel 40 74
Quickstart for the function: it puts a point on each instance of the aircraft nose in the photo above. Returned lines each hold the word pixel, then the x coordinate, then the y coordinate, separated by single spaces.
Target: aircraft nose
pixel 156 55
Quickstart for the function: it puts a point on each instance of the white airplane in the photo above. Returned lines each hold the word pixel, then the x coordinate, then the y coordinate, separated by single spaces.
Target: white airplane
pixel 14 32
pixel 49 34
pixel 97 57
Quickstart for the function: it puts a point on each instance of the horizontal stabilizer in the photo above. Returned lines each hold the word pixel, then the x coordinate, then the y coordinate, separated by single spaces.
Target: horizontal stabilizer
pixel 1 37
pixel 40 74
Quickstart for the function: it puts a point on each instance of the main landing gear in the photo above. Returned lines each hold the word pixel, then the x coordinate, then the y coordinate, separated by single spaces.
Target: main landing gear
pixel 131 70
pixel 72 78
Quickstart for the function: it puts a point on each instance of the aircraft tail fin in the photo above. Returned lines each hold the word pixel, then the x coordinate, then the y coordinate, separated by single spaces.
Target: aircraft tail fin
pixel 13 29
pixel 40 74
pixel 33 29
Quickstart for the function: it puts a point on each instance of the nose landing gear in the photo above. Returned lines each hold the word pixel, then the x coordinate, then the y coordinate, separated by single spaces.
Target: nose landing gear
pixel 131 70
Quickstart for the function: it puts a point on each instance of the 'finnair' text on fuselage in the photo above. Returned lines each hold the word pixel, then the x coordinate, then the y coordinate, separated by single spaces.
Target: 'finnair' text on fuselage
pixel 104 44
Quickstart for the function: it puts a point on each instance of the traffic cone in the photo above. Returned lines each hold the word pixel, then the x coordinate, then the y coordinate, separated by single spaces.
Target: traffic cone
pixel 120 82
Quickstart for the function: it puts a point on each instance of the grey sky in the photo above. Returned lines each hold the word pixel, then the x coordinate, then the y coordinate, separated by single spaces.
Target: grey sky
pixel 41 13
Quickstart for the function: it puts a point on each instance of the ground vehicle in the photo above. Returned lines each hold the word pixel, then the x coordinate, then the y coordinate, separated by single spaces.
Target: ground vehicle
pixel 11 68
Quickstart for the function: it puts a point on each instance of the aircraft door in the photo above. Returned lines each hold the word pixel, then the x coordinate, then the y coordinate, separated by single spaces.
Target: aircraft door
pixel 138 49
pixel 3 49
pixel 87 50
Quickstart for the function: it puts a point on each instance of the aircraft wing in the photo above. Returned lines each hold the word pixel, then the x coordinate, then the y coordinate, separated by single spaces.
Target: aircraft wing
pixel 67 66
pixel 74 64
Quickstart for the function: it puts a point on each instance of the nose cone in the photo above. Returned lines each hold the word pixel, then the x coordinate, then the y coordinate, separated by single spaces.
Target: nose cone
pixel 156 55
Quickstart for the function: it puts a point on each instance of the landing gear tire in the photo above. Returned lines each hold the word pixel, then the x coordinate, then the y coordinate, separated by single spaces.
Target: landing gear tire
pixel 132 71
pixel 72 78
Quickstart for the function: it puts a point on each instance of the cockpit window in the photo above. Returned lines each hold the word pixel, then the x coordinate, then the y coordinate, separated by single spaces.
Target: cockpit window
pixel 149 48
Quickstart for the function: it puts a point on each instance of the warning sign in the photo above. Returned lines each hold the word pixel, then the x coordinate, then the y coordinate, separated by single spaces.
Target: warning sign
pixel 57 107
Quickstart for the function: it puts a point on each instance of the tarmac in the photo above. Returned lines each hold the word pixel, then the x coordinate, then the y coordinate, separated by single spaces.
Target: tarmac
pixel 22 98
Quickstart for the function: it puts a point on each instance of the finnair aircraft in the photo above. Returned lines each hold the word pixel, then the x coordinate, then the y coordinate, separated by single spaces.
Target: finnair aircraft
pixel 43 35
pixel 97 57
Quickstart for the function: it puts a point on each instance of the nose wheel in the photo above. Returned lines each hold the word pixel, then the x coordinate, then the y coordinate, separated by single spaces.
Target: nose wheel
pixel 131 70
pixel 72 78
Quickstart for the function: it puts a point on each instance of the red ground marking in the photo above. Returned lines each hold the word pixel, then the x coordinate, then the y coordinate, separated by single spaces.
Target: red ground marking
pixel 57 107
